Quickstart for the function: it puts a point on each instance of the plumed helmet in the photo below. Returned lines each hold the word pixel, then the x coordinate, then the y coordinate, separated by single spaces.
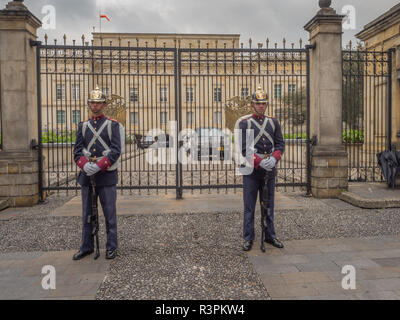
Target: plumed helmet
pixel 97 95
pixel 259 96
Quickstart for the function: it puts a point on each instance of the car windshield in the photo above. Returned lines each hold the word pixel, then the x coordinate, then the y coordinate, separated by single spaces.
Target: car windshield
pixel 209 132
pixel 148 138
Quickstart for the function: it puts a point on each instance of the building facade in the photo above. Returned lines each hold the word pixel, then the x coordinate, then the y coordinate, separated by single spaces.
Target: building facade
pixel 142 68
pixel 381 35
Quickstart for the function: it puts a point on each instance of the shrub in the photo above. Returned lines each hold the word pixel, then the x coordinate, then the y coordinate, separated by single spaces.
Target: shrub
pixel 353 136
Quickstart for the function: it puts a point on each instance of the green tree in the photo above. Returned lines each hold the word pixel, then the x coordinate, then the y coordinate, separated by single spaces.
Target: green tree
pixel 353 87
pixel 352 95
pixel 296 106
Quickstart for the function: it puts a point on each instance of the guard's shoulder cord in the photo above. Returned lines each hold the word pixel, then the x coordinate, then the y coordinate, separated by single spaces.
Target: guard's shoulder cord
pixel 85 124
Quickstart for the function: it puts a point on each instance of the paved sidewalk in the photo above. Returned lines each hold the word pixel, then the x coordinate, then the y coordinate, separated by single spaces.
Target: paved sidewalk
pixel 21 275
pixel 206 203
pixel 311 269
pixel 191 249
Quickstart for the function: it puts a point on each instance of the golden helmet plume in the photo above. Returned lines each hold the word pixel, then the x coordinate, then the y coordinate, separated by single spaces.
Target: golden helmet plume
pixel 259 96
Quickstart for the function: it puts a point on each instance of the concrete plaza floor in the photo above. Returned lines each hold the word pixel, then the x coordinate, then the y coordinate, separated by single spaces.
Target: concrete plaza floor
pixel 191 249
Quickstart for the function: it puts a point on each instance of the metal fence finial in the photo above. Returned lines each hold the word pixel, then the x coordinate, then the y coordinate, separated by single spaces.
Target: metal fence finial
pixel 325 3
pixel 16 5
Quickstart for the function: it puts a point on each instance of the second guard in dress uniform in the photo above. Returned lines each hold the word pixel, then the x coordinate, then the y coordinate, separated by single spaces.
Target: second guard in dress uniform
pixel 266 152
pixel 96 152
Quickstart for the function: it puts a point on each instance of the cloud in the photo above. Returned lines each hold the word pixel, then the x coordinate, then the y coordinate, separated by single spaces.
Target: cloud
pixel 258 19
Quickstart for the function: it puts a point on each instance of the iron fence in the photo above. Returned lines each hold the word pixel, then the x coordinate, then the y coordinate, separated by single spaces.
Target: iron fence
pixel 366 111
pixel 224 77
pixel 167 93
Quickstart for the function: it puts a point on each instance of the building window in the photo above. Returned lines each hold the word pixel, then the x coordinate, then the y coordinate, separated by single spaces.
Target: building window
pixel 189 118
pixel 134 94
pixel 244 93
pixel 60 117
pixel 292 88
pixel 134 117
pixel 163 117
pixel 189 94
pixel 217 117
pixel 277 91
pixel 163 94
pixel 60 92
pixel 76 116
pixel 217 94
pixel 75 92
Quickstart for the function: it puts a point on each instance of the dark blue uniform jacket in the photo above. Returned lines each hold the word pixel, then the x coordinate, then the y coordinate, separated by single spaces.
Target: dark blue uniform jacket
pixel 103 177
pixel 263 146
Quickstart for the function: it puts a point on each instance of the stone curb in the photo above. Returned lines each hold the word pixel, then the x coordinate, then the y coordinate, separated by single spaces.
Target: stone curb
pixel 360 202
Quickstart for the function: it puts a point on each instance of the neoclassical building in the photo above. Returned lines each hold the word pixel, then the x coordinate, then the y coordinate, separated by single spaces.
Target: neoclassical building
pixel 381 35
pixel 148 78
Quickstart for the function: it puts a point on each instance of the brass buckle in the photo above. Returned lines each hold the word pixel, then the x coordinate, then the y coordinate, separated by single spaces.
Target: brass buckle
pixel 93 159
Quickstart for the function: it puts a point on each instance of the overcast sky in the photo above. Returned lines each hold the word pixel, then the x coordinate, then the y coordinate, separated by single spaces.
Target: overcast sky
pixel 258 19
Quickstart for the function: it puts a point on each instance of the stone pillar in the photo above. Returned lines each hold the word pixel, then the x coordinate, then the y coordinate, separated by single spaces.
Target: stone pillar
pixel 329 157
pixel 18 103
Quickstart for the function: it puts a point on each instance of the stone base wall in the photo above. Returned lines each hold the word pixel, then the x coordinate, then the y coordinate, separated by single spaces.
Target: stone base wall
pixel 19 178
pixel 329 173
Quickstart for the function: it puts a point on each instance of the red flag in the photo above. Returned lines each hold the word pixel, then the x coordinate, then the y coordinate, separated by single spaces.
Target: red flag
pixel 104 16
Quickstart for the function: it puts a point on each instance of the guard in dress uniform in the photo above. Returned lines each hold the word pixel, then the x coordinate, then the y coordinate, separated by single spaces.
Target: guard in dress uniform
pixel 96 154
pixel 266 152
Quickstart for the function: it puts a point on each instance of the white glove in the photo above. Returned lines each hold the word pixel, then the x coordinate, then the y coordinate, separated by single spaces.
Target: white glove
pixel 271 162
pixel 263 164
pixel 91 168
pixel 268 164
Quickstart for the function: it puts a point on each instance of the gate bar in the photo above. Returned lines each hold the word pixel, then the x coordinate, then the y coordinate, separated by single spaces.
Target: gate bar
pixel 37 44
pixel 308 146
pixel 389 100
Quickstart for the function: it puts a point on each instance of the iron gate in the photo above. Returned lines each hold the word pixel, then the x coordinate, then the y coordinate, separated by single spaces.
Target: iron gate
pixel 367 110
pixel 167 92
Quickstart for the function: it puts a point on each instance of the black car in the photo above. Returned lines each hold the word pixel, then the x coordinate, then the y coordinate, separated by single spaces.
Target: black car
pixel 211 143
pixel 147 141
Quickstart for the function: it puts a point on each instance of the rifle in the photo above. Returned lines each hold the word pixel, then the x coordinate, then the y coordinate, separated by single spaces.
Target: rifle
pixel 265 212
pixel 93 218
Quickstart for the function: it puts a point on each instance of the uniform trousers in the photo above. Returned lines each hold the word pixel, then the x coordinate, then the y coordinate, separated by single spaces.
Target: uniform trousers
pixel 108 199
pixel 253 185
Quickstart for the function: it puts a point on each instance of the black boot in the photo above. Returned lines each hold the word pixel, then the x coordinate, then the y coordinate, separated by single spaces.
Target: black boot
pixel 247 245
pixel 111 254
pixel 79 255
pixel 275 242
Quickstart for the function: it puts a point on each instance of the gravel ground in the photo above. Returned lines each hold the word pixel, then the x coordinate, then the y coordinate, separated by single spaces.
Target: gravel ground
pixel 188 256
pixel 193 272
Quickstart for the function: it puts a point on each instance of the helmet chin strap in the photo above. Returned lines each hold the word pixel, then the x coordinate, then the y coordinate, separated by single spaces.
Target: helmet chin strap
pixel 100 112
pixel 257 113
